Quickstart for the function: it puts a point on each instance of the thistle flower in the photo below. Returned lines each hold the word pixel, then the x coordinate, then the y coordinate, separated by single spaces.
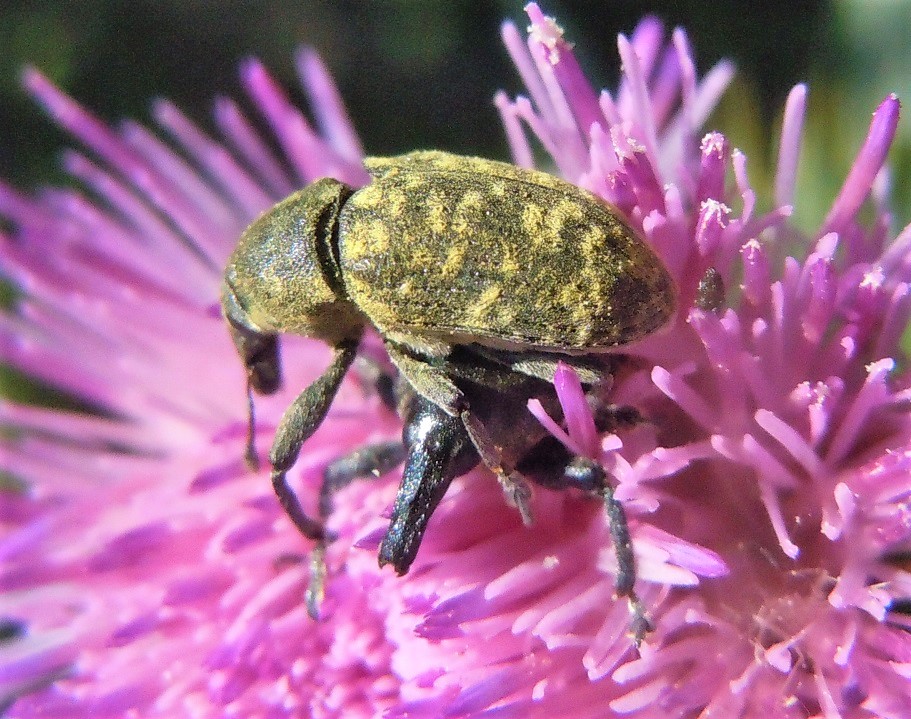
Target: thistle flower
pixel 146 572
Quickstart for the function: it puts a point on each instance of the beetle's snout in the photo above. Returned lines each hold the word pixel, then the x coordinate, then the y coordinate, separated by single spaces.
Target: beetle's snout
pixel 261 358
pixel 259 350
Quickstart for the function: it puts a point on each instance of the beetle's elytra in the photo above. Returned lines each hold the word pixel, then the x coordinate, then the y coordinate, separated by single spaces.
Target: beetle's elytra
pixel 480 277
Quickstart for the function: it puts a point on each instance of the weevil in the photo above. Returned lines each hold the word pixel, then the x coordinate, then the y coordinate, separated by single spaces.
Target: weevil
pixel 479 277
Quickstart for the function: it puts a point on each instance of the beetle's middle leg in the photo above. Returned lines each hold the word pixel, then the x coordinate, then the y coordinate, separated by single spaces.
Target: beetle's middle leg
pixel 436 448
pixel 371 461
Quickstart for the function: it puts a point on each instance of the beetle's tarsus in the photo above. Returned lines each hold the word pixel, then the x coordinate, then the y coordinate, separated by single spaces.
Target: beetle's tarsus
pixel 306 525
pixel 611 417
pixel 518 494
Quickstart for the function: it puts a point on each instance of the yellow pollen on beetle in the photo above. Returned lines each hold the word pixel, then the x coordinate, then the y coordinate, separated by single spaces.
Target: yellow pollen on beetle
pixel 480 310
pixel 585 313
pixel 395 203
pixel 422 259
pixel 455 259
pixel 569 294
pixel 436 215
pixel 471 200
pixel 509 265
pixel 375 237
pixel 533 220
pixel 370 239
pixel 592 242
pixel 560 215
pixel 466 215
pixel 370 196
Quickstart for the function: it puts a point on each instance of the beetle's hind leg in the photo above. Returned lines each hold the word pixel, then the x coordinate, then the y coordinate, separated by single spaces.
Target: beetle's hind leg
pixel 587 474
pixel 551 465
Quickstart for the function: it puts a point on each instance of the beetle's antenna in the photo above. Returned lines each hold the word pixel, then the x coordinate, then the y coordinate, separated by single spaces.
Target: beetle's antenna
pixel 250 456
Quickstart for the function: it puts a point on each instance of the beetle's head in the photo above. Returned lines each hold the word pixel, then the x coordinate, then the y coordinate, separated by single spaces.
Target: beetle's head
pixel 283 276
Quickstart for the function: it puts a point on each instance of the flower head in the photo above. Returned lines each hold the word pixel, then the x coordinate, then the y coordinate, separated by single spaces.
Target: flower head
pixel 147 572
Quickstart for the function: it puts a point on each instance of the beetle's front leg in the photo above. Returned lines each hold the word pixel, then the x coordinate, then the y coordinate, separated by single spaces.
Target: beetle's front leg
pixel 298 423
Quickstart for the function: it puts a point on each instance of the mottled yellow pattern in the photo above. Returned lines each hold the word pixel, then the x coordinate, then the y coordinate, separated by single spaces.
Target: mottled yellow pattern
pixel 371 242
pixel 533 221
pixel 468 214
pixel 481 312
pixel 443 245
pixel 370 196
pixel 455 258
pixel 437 214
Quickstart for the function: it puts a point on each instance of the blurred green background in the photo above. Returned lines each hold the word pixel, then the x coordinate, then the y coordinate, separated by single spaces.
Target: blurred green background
pixel 422 73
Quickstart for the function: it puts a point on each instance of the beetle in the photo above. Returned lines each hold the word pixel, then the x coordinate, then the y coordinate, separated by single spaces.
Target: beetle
pixel 480 277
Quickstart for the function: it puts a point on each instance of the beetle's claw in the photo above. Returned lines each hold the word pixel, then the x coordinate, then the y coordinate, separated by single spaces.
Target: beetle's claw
pixel 518 494
pixel 251 458
pixel 316 588
pixel 640 624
